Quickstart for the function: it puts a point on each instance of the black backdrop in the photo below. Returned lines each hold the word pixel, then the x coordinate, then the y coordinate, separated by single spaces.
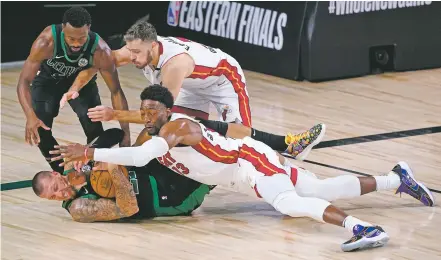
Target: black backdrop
pixel 279 21
pixel 317 44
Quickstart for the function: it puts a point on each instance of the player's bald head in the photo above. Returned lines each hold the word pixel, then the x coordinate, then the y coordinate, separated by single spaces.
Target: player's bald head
pixel 39 180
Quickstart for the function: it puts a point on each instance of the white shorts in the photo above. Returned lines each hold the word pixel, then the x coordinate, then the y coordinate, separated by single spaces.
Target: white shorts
pixel 256 159
pixel 229 96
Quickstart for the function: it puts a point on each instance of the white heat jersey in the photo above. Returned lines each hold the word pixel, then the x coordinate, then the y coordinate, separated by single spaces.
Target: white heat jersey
pixel 213 161
pixel 217 79
pixel 211 65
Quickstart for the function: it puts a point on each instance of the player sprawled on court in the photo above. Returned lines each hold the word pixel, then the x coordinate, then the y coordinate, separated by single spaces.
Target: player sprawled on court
pixel 61 68
pixel 137 192
pixel 249 166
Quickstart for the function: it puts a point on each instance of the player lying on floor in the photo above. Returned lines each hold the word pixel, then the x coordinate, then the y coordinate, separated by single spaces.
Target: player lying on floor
pixel 150 191
pixel 158 190
pixel 249 166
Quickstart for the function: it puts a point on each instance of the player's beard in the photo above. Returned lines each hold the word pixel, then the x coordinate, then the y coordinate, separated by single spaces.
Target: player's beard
pixel 156 127
pixel 70 191
pixel 153 130
pixel 149 60
pixel 78 49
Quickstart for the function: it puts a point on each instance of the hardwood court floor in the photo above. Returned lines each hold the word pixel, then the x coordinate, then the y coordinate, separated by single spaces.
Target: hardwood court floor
pixel 231 225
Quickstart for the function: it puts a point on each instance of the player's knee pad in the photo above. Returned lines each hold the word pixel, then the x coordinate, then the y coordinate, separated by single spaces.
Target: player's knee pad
pixel 330 189
pixel 307 185
pixel 291 204
pixel 345 186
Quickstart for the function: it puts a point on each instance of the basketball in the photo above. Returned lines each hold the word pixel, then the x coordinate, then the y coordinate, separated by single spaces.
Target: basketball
pixel 102 182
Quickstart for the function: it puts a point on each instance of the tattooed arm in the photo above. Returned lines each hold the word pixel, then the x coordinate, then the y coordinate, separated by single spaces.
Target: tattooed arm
pixel 126 205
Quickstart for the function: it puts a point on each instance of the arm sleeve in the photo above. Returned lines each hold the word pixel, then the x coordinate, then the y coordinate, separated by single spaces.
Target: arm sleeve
pixel 133 156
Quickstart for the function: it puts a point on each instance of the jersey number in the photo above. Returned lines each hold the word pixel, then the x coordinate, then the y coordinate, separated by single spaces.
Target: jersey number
pixel 168 161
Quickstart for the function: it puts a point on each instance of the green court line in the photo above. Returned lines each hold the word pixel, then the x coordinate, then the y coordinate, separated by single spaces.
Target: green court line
pixel 16 185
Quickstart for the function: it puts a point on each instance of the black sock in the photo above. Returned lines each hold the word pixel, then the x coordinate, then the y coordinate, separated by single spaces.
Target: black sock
pixel 276 142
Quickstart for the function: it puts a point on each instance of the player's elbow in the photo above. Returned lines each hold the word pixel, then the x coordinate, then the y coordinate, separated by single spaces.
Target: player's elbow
pixel 130 211
pixel 78 217
pixel 81 220
pixel 23 82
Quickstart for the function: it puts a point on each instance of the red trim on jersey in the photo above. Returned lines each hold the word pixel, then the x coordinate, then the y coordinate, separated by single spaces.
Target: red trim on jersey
pixel 216 153
pixel 183 39
pixel 259 161
pixel 294 175
pixel 232 74
pixel 190 112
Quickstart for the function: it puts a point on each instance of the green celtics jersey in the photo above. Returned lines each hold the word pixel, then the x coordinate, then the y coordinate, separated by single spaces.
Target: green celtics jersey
pixel 64 67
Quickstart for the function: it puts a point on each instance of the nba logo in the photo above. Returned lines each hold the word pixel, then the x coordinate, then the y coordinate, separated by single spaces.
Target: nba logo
pixel 173 13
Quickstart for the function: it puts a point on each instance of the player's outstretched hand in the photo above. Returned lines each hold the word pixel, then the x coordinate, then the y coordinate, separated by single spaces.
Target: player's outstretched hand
pixel 70 153
pixel 100 113
pixel 31 134
pixel 99 166
pixel 68 96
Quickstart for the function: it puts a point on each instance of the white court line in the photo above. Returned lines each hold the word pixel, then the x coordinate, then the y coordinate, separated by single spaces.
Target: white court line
pixel 12 64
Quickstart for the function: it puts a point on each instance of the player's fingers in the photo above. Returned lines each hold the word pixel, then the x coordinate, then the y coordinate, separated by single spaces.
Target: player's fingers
pixel 75 95
pixel 28 137
pixel 55 152
pixel 95 113
pixel 97 108
pixel 92 114
pixel 95 116
pixel 99 166
pixel 63 101
pixel 35 136
pixel 45 127
pixel 56 158
pixel 78 165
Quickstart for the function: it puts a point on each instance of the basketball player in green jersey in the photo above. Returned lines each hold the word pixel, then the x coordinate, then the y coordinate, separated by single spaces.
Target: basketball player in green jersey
pixel 61 68
pixel 150 191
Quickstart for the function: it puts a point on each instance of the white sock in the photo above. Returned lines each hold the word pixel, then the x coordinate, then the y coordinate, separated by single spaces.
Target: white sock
pixel 388 182
pixel 350 222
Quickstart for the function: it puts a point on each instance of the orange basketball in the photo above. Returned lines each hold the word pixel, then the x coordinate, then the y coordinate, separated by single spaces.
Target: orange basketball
pixel 102 182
